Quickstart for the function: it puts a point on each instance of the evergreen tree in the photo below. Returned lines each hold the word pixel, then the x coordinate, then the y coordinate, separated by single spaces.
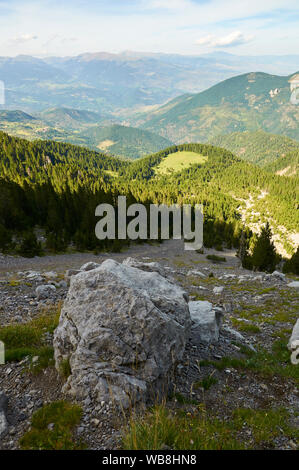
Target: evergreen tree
pixel 29 245
pixel 264 256
pixel 292 265
pixel 243 253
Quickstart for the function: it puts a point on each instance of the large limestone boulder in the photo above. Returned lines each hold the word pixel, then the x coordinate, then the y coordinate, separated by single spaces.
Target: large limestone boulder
pixel 123 331
pixel 206 321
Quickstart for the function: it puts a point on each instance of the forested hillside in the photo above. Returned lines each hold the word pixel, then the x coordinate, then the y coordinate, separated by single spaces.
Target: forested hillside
pixel 287 165
pixel 83 128
pixel 59 185
pixel 261 148
pixel 121 140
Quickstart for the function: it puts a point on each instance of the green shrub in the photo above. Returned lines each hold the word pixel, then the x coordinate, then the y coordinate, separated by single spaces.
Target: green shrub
pixel 216 259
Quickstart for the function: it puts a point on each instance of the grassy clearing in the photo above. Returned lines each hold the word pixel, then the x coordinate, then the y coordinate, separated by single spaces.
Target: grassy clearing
pixel 22 340
pixel 162 428
pixel 52 428
pixel 178 161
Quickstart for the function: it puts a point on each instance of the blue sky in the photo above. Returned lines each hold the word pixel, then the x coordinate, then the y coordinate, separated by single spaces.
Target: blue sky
pixel 52 27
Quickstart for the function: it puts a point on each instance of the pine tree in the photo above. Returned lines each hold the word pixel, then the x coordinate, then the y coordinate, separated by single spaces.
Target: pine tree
pixel 264 256
pixel 243 253
pixel 292 265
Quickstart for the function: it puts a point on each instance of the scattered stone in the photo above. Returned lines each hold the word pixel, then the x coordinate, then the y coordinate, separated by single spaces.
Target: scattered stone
pixel 50 275
pixel 206 321
pixel 218 290
pixel 279 275
pixel 44 292
pixel 196 273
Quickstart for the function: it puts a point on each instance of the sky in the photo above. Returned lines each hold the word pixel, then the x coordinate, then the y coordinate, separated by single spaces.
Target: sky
pixel 195 27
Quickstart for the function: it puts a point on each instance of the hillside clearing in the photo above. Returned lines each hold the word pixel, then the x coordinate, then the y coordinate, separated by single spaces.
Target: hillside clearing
pixel 177 161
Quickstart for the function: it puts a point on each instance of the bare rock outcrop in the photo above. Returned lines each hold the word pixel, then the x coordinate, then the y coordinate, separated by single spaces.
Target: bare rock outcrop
pixel 123 331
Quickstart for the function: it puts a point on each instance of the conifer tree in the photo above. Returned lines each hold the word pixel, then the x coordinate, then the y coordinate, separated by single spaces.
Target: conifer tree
pixel 264 256
pixel 242 251
pixel 292 265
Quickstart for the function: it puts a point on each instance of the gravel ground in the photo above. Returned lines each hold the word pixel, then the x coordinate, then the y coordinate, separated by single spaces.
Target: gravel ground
pixel 101 427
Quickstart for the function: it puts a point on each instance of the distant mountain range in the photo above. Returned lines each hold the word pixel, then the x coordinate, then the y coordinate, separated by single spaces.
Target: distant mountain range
pixel 122 83
pixel 83 128
pixel 248 102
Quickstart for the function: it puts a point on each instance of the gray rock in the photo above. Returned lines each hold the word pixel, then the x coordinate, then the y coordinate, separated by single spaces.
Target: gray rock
pixel 279 275
pixel 89 266
pixel 62 284
pixel 72 272
pixel 196 273
pixel 3 410
pixel 44 292
pixel 294 284
pixel 33 275
pixel 124 331
pixel 293 344
pixel 218 290
pixel 206 321
pixel 50 275
pixel 149 267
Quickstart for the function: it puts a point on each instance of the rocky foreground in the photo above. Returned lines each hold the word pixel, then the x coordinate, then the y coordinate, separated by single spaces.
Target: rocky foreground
pixel 149 322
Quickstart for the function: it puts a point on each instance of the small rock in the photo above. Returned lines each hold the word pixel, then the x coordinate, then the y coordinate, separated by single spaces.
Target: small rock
pixel 218 290
pixel 43 292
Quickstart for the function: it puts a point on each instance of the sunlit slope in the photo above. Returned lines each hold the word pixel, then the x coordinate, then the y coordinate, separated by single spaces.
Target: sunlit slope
pixel 248 102
pixel 178 161
pixel 261 148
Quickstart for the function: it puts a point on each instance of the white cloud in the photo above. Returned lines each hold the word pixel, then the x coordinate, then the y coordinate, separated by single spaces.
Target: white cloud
pixel 23 38
pixel 236 38
pixel 168 4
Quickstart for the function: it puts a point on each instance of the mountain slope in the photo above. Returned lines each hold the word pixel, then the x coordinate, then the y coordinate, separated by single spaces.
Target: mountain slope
pixel 15 116
pixel 128 82
pixel 247 102
pixel 78 127
pixel 122 140
pixel 69 118
pixel 287 165
pixel 261 148
pixel 215 178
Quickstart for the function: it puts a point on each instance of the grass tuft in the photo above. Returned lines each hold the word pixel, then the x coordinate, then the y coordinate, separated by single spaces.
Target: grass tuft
pixel 161 427
pixel 52 428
